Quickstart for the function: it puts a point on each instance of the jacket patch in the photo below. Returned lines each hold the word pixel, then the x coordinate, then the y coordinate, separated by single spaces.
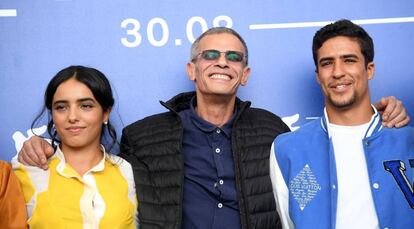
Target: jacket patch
pixel 397 169
pixel 304 187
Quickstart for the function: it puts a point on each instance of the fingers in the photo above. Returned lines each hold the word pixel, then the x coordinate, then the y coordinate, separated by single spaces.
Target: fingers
pixel 398 120
pixel 395 115
pixel 26 160
pixel 39 145
pixel 386 107
pixel 32 152
pixel 380 105
pixel 395 111
pixel 48 149
pixel 402 123
pixel 26 156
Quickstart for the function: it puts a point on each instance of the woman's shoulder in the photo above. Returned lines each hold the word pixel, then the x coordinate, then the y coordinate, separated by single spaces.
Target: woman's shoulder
pixel 118 161
pixel 124 167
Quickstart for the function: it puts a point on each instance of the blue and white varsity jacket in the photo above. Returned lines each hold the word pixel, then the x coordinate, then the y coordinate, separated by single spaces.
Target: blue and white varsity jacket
pixel 303 173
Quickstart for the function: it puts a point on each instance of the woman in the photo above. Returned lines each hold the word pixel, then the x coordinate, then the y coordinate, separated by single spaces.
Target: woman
pixel 84 187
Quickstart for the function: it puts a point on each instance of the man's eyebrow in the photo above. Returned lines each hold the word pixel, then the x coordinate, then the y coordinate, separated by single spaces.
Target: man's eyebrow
pixel 325 59
pixel 342 57
pixel 349 56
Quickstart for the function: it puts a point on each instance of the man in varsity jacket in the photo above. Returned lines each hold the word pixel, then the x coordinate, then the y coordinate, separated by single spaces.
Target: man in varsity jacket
pixel 344 170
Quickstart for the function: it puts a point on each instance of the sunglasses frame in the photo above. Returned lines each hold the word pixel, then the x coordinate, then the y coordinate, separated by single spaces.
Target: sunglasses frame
pixel 226 55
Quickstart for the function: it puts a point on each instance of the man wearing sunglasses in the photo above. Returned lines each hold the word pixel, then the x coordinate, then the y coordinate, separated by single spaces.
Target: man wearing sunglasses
pixel 204 163
pixel 209 166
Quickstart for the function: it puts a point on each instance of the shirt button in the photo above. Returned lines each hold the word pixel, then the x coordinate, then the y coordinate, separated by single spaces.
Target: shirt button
pixel 218 131
pixel 333 186
pixel 219 205
pixel 375 185
pixel 217 150
pixel 367 143
pixel 221 182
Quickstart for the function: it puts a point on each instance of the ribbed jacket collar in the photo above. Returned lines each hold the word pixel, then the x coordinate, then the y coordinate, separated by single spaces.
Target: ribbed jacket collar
pixel 375 124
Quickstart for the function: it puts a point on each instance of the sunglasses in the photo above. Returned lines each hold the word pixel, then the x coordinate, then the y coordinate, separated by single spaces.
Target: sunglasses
pixel 212 54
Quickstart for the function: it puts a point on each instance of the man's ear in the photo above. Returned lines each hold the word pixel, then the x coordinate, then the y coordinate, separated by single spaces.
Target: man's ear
pixel 246 75
pixel 317 76
pixel 190 67
pixel 371 70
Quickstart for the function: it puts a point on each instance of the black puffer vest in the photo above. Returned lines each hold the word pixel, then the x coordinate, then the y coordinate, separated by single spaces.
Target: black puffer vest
pixel 153 146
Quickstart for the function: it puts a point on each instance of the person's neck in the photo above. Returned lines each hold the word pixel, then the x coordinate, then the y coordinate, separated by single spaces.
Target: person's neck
pixel 82 159
pixel 350 116
pixel 217 110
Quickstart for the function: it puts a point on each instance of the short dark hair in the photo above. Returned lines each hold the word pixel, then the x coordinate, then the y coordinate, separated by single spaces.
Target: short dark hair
pixel 218 30
pixel 345 28
pixel 95 80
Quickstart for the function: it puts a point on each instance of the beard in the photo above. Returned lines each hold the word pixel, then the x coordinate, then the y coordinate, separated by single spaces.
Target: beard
pixel 341 102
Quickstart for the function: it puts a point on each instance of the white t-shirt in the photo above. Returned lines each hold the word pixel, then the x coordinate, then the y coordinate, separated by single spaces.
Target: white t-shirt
pixel 355 204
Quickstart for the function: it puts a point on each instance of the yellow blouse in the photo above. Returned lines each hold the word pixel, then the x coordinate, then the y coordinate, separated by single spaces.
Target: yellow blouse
pixel 104 197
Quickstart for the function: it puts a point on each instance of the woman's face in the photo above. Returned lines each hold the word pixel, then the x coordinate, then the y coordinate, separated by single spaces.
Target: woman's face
pixel 77 116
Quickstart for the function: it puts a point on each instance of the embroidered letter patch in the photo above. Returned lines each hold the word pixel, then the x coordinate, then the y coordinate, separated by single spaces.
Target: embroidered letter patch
pixel 397 169
pixel 304 187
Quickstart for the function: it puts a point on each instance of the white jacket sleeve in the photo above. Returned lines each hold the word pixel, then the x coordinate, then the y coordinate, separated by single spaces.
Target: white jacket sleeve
pixel 280 191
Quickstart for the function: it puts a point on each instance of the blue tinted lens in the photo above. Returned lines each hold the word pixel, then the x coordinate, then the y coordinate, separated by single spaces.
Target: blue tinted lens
pixel 234 56
pixel 210 54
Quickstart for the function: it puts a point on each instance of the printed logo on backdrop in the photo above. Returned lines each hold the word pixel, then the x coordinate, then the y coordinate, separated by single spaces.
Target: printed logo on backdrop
pixel 397 169
pixel 19 138
pixel 290 121
pixel 304 187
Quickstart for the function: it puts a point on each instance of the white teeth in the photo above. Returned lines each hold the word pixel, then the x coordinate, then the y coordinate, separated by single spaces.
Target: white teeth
pixel 220 76
pixel 340 86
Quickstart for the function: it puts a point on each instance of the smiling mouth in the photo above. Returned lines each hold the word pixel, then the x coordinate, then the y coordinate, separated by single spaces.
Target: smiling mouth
pixel 340 86
pixel 220 76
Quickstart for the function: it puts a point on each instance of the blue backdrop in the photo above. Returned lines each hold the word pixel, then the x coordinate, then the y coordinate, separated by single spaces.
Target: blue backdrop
pixel 143 46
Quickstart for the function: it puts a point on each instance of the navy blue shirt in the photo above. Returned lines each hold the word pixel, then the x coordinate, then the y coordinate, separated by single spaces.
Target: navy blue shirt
pixel 210 196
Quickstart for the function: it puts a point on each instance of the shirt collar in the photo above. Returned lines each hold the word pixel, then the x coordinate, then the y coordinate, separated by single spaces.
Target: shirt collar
pixel 67 171
pixel 206 126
